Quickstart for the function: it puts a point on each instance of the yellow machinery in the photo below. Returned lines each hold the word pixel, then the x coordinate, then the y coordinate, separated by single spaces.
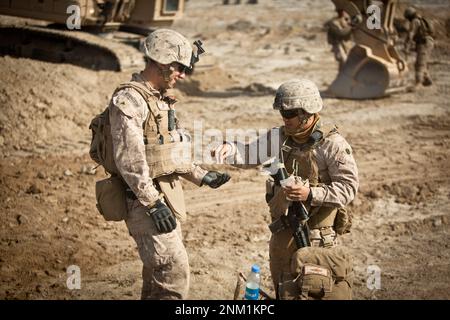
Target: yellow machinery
pixel 90 33
pixel 373 67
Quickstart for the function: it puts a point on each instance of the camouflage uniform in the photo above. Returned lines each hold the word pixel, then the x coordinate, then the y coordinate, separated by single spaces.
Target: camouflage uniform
pixel 332 174
pixel 334 186
pixel 165 262
pixel 424 46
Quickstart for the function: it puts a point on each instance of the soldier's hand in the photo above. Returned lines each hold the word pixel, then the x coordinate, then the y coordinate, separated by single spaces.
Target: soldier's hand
pixel 297 192
pixel 215 179
pixel 163 217
pixel 221 152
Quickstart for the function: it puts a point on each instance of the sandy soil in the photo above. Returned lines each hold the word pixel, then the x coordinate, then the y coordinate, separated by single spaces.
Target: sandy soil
pixel 401 144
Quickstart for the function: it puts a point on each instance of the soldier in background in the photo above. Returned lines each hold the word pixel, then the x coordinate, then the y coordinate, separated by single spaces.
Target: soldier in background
pixel 339 36
pixel 420 32
pixel 145 137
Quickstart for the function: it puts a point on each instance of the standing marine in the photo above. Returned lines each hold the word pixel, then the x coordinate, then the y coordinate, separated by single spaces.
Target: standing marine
pixel 141 143
pixel 421 32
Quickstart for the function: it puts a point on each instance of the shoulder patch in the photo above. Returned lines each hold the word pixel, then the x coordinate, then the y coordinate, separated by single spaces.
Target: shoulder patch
pixel 129 103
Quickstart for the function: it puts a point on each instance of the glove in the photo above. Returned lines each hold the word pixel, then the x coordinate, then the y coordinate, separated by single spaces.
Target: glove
pixel 163 217
pixel 215 179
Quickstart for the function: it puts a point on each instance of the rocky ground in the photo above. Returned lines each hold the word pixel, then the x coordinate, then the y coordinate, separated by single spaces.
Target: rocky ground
pixel 401 144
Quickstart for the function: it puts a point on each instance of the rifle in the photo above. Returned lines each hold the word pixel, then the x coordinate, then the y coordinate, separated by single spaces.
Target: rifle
pixel 297 216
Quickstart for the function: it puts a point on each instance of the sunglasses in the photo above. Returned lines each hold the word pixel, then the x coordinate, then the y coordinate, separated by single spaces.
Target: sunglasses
pixel 180 67
pixel 289 114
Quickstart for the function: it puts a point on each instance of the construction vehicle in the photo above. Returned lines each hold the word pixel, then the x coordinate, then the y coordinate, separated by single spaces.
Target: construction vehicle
pixel 373 68
pixel 96 34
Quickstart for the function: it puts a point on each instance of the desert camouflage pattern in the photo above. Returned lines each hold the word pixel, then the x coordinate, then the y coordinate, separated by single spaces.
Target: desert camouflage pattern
pixel 424 47
pixel 333 177
pixel 298 94
pixel 165 270
pixel 165 263
pixel 166 46
pixel 337 170
pixel 128 112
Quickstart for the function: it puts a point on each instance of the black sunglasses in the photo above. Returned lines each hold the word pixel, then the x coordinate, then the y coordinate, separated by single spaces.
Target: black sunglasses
pixel 289 114
pixel 181 68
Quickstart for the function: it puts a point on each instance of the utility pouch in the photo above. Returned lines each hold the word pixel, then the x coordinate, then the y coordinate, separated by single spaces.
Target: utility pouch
pixel 343 221
pixel 111 198
pixel 315 281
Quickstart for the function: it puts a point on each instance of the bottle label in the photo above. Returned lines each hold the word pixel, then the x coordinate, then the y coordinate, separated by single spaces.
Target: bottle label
pixel 251 294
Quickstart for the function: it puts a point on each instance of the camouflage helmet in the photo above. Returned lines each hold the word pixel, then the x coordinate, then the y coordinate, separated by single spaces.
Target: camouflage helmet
pixel 298 94
pixel 166 46
pixel 410 13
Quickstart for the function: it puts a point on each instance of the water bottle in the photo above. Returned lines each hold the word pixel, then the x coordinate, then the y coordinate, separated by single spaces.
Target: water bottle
pixel 252 284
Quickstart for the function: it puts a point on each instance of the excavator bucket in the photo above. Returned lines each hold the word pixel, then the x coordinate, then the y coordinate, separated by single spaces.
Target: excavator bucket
pixel 363 76
pixel 373 67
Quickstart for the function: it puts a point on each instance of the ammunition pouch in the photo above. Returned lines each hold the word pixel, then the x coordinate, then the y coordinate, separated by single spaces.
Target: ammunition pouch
pixel 165 159
pixel 323 237
pixel 318 273
pixel 172 189
pixel 111 197
pixel 343 221
pixel 315 281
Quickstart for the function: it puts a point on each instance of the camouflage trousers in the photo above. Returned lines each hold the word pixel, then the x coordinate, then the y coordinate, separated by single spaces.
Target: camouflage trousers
pixel 165 269
pixel 423 50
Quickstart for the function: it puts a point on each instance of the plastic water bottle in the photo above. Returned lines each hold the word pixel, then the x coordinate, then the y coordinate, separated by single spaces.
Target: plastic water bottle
pixel 252 284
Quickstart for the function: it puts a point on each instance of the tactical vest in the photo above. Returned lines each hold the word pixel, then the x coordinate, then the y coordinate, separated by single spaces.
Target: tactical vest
pixel 300 160
pixel 426 29
pixel 168 152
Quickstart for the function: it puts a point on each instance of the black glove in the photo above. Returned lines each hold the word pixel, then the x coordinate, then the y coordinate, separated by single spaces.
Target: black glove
pixel 215 179
pixel 163 217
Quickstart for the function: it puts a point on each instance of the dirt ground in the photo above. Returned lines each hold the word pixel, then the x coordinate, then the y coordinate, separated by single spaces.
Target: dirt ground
pixel 401 145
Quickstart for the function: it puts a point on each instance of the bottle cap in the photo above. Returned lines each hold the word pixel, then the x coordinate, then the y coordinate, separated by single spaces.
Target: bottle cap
pixel 255 268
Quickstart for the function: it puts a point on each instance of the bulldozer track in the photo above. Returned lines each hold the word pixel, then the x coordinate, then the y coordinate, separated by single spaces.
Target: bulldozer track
pixel 74 47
